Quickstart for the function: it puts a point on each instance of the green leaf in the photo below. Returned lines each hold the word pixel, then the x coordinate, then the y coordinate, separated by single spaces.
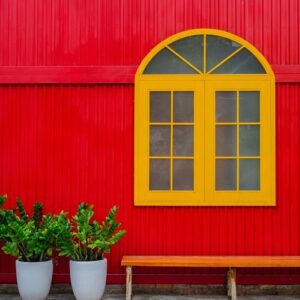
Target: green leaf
pixel 2 200
pixel 85 239
pixel 28 239
pixel 37 213
pixel 22 211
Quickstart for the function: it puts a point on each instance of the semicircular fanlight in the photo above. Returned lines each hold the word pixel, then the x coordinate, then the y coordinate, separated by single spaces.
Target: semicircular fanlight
pixel 189 56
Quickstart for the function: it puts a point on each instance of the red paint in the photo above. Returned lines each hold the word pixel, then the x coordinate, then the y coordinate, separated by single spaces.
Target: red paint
pixel 101 74
pixel 66 74
pixel 62 143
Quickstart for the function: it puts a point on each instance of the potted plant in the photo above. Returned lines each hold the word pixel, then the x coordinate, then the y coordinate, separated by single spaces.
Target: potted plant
pixel 85 241
pixel 31 240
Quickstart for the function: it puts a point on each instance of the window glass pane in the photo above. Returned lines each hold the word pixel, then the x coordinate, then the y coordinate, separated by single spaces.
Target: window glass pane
pixel 159 174
pixel 183 106
pixel 218 48
pixel 183 174
pixel 244 62
pixel 160 106
pixel 225 174
pixel 183 141
pixel 249 174
pixel 225 140
pixel 159 140
pixel 165 62
pixel 225 106
pixel 249 106
pixel 249 140
pixel 191 48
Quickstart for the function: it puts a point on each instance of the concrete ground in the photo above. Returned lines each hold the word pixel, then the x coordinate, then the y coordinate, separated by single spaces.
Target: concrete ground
pixel 170 292
pixel 159 297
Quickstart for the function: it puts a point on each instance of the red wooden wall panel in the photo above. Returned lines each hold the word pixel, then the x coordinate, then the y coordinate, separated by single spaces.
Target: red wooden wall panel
pixel 64 143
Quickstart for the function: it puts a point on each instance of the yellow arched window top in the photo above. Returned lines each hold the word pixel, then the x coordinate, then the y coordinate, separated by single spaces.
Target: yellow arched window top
pixel 219 52
pixel 204 123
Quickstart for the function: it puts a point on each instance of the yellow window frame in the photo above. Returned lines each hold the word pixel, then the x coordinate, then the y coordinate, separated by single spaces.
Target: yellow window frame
pixel 143 195
pixel 204 86
pixel 266 195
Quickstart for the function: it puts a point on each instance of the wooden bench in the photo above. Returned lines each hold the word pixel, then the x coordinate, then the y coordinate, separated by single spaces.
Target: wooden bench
pixel 230 262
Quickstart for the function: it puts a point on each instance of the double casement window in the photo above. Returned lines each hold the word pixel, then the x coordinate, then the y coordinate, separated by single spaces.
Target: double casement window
pixel 204 123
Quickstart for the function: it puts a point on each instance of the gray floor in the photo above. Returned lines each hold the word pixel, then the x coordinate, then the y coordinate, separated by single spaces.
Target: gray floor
pixel 160 297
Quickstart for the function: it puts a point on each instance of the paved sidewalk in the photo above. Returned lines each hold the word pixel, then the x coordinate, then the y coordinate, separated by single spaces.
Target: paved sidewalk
pixel 160 297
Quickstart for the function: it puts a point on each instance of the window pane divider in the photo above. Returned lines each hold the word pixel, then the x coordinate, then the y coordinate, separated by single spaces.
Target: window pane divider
pixel 238 141
pixel 204 53
pixel 225 59
pixel 184 60
pixel 171 141
pixel 174 157
pixel 171 123
pixel 237 123
pixel 237 157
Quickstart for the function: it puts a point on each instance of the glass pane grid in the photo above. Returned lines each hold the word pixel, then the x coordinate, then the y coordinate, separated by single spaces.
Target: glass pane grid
pixel 238 158
pixel 172 159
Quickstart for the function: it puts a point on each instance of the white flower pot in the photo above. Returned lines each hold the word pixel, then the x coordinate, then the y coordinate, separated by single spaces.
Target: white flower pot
pixel 34 279
pixel 88 279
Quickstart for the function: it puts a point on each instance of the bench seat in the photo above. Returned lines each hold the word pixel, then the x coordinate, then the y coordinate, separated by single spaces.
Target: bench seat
pixel 212 261
pixel 230 262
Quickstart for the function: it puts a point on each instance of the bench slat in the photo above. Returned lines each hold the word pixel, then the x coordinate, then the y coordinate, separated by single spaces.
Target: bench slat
pixel 212 261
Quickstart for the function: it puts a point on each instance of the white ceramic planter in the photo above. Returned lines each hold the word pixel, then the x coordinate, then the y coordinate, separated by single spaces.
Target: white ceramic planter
pixel 88 279
pixel 34 279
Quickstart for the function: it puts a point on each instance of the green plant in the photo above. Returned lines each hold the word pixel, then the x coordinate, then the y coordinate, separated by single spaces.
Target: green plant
pixel 82 239
pixel 2 213
pixel 29 239
pixel 2 200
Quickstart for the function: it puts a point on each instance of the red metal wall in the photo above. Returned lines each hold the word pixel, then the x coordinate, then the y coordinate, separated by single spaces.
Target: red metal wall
pixel 63 143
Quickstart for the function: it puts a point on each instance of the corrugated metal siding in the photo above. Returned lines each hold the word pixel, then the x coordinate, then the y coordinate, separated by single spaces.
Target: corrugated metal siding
pixel 66 143
pixel 79 32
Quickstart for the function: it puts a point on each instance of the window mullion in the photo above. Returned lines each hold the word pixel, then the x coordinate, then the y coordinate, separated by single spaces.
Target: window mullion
pixel 238 141
pixel 204 53
pixel 171 140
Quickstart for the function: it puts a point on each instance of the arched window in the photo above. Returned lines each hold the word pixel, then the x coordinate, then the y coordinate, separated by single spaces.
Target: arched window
pixel 204 123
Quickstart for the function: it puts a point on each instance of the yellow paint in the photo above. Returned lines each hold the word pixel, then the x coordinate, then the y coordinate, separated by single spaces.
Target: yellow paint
pixel 204 85
pixel 266 194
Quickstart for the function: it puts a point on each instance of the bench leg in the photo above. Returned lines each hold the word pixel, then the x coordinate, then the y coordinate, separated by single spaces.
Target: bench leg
pixel 231 284
pixel 128 283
